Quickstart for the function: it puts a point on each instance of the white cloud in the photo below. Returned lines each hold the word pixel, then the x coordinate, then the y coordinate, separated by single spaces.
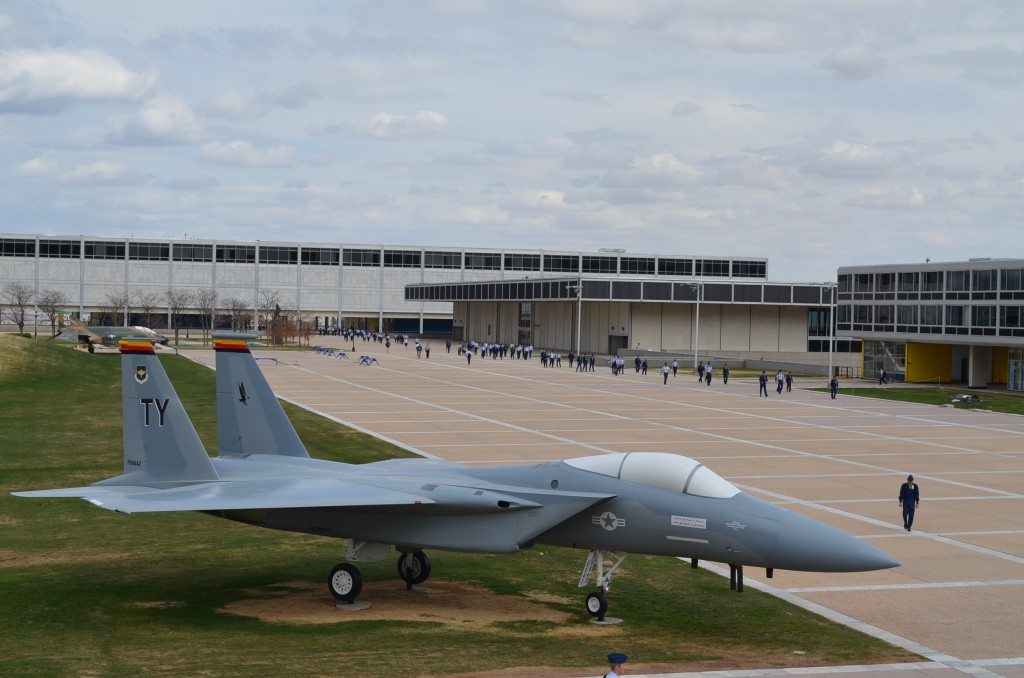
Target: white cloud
pixel 50 80
pixel 37 167
pixel 164 119
pixel 243 154
pixel 888 197
pixel 390 126
pixel 657 171
pixel 234 106
pixel 853 64
pixel 845 159
pixel 100 172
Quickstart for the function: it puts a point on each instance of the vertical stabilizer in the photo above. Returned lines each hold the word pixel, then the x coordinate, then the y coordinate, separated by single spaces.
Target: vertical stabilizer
pixel 250 419
pixel 160 443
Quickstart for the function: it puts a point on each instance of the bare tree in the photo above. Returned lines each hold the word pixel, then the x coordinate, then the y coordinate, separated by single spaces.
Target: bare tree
pixel 178 301
pixel 269 308
pixel 17 297
pixel 205 301
pixel 117 306
pixel 146 301
pixel 240 312
pixel 51 303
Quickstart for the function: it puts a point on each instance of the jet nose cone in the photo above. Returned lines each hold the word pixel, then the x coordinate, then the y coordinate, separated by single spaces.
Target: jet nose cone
pixel 810 546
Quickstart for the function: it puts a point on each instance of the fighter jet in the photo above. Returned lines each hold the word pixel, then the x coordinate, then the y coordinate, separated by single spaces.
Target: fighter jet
pixel 649 503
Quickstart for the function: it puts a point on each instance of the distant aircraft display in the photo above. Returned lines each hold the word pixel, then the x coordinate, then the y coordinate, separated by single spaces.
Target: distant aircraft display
pixel 648 503
pixel 77 332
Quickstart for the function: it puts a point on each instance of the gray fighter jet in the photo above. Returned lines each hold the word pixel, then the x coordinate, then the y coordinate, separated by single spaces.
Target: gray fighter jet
pixel 651 503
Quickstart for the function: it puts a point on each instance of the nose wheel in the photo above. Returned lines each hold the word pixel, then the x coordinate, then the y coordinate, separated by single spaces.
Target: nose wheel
pixel 597 601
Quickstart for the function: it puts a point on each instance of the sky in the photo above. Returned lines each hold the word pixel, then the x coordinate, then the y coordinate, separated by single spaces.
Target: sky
pixel 818 134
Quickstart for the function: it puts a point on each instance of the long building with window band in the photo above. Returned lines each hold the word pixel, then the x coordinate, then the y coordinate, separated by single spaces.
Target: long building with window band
pixel 938 322
pixel 626 298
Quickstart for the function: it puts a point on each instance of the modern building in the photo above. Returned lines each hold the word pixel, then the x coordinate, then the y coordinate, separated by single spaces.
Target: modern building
pixel 937 322
pixel 592 301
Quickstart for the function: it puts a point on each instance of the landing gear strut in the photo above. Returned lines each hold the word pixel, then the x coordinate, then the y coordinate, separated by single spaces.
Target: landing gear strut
pixel 736 578
pixel 597 601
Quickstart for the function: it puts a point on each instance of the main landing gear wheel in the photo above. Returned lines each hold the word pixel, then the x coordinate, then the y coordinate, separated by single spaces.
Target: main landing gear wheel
pixel 597 605
pixel 413 568
pixel 345 582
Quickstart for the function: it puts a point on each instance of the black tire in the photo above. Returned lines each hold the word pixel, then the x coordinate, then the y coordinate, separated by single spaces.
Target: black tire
pixel 597 604
pixel 345 582
pixel 414 568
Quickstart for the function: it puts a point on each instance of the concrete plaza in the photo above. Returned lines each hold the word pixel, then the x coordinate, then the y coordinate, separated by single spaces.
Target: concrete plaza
pixel 958 598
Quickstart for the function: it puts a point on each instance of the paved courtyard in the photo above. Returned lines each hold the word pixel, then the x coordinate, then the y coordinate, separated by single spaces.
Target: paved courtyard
pixel 958 599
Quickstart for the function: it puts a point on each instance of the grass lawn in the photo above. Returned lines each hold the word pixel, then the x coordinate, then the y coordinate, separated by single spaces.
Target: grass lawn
pixel 995 401
pixel 90 592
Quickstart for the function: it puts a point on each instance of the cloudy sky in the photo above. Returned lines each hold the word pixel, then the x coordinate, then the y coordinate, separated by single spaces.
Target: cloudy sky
pixel 818 134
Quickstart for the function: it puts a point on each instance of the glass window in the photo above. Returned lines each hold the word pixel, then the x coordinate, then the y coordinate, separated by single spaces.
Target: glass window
pixel 844 283
pixel 236 254
pixel 954 316
pixel 188 252
pixel 931 315
pixel 713 267
pixel 884 282
pixel 906 315
pixel 1011 279
pixel 983 316
pixel 817 322
pixel 983 281
pixel 862 282
pixel 62 249
pixel 931 281
pixel 442 259
pixel 956 281
pixel 522 262
pixel 636 266
pixel 908 282
pixel 270 254
pixel 149 251
pixel 600 264
pixel 351 257
pixel 401 259
pixel 17 247
pixel 1010 316
pixel 862 314
pixel 884 314
pixel 750 269
pixel 561 263
pixel 482 261
pixel 675 266
pixel 320 256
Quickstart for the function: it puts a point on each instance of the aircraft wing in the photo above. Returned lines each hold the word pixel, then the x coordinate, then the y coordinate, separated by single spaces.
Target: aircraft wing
pixel 236 495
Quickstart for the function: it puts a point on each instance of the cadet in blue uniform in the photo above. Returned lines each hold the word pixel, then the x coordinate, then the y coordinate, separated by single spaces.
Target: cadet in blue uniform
pixel 617 661
pixel 910 498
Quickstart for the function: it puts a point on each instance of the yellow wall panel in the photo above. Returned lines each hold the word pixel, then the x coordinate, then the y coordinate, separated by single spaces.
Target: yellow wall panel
pixel 931 363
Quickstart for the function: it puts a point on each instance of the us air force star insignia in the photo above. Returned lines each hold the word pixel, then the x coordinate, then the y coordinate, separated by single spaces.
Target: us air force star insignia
pixel 141 375
pixel 735 526
pixel 608 521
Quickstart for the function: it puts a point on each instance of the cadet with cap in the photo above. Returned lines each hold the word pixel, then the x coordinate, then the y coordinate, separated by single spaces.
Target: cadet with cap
pixel 910 498
pixel 616 659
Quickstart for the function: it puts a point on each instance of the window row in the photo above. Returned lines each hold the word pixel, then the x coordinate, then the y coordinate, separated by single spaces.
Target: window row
pixel 981 280
pixel 931 315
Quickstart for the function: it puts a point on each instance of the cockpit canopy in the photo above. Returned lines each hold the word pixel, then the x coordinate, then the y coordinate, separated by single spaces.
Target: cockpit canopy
pixel 659 469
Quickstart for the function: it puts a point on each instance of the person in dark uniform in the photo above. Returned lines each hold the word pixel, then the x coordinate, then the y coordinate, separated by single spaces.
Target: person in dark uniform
pixel 910 499
pixel 763 381
pixel 833 386
pixel 616 661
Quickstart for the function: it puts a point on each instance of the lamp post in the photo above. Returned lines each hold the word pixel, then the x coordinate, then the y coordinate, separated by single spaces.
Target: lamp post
pixel 699 286
pixel 578 288
pixel 831 287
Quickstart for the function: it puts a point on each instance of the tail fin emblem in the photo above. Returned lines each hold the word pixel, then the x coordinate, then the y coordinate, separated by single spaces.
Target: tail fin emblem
pixel 141 375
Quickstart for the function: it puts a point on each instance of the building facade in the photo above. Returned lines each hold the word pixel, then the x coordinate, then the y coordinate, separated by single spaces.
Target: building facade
pixel 937 322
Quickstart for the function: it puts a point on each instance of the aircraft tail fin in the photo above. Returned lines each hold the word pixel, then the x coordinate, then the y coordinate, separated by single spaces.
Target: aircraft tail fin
pixel 160 443
pixel 250 420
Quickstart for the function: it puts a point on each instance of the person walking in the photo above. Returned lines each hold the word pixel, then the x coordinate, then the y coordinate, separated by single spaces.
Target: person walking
pixel 707 373
pixel 725 373
pixel 910 499
pixel 881 376
pixel 833 386
pixel 789 382
pixel 664 374
pixel 763 381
